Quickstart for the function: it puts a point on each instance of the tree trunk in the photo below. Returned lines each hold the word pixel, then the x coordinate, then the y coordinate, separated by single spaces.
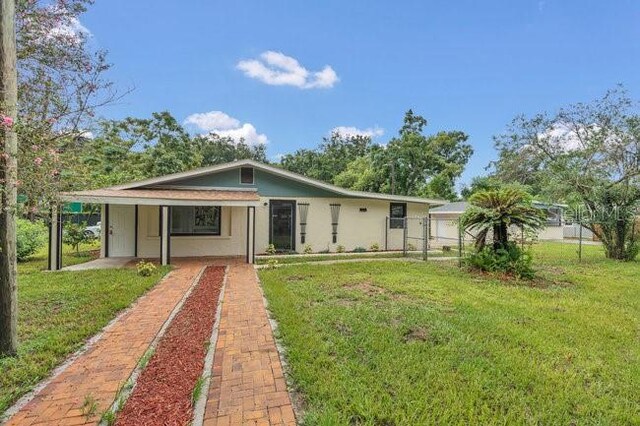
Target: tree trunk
pixel 9 173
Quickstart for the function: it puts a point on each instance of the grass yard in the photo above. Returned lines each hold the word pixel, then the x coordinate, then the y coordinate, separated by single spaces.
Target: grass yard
pixel 383 343
pixel 58 312
pixel 321 257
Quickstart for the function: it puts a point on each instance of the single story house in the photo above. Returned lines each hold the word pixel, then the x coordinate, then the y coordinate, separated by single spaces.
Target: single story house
pixel 444 222
pixel 239 209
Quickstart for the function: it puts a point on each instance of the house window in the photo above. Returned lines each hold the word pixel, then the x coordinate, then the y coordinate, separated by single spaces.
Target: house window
pixel 246 175
pixel 554 216
pixel 195 220
pixel 397 213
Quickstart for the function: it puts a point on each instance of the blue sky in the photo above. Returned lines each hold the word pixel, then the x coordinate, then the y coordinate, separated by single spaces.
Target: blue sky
pixel 464 65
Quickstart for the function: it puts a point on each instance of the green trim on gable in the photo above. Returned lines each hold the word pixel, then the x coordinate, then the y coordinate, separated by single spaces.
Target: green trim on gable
pixel 267 184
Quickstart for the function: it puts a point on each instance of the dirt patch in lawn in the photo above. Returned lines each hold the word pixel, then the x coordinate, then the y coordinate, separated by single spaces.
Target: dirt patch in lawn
pixel 366 287
pixel 163 391
pixel 417 334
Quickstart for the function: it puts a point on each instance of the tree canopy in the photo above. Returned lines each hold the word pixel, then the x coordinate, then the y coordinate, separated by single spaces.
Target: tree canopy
pixel 410 164
pixel 587 154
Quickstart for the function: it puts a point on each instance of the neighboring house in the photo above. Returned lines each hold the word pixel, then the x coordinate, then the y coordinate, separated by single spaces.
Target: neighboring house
pixel 238 209
pixel 444 223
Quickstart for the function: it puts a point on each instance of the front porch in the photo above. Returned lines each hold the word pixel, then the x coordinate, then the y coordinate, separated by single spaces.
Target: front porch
pixel 164 224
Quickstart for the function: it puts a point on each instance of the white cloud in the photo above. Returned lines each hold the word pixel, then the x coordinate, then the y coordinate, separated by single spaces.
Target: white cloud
pixel 71 29
pixel 564 137
pixel 278 69
pixel 224 125
pixel 212 120
pixel 350 131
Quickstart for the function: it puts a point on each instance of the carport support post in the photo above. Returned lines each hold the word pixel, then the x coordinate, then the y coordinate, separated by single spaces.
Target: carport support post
pixel 165 235
pixel 55 239
pixel 251 235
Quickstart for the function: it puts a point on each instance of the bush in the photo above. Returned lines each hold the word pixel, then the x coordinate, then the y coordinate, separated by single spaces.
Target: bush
pixel 145 269
pixel 374 247
pixel 31 236
pixel 340 249
pixel 74 235
pixel 307 249
pixel 510 260
pixel 359 250
pixel 411 247
pixel 271 250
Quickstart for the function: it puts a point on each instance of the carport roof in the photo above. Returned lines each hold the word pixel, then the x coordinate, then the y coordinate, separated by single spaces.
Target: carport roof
pixel 166 197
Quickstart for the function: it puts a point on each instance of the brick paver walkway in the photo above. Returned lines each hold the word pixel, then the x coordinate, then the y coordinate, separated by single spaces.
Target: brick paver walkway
pixel 101 370
pixel 247 382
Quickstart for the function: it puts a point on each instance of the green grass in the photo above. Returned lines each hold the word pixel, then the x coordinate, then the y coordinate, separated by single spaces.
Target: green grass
pixel 427 343
pixel 38 262
pixel 57 312
pixel 283 260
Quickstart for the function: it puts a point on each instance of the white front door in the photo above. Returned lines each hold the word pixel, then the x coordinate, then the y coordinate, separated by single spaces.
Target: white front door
pixel 121 230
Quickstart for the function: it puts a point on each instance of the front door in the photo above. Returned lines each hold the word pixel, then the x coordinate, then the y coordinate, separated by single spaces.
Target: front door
pixel 121 232
pixel 283 223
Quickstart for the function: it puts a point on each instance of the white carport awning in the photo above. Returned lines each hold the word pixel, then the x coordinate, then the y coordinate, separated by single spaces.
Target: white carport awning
pixel 165 197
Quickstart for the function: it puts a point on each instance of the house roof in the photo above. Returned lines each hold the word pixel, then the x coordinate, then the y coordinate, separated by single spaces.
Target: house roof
pixel 172 178
pixel 457 207
pixel 164 196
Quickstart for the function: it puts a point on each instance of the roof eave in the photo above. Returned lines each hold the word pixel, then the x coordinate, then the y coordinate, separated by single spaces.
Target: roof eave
pixel 145 201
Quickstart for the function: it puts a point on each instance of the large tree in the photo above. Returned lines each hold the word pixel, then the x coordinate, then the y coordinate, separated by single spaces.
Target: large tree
pixel 138 148
pixel 8 181
pixel 330 159
pixel 61 83
pixel 426 165
pixel 589 155
pixel 411 164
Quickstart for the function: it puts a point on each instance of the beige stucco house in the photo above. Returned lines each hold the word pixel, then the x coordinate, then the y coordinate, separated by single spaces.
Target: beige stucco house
pixel 239 209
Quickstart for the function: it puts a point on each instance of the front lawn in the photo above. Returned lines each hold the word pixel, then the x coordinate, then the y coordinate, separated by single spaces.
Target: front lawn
pixel 57 312
pixel 385 343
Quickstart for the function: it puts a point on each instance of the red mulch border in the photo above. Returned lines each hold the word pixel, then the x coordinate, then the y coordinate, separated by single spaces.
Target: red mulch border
pixel 162 394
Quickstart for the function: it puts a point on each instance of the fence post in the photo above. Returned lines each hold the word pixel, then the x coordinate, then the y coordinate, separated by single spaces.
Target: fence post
pixel 580 244
pixel 425 238
pixel 459 245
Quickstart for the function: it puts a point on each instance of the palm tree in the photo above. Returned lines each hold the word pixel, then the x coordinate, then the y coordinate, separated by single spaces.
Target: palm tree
pixel 496 211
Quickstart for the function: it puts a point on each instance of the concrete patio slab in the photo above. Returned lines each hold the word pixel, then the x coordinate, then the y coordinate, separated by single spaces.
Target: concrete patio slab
pixel 102 263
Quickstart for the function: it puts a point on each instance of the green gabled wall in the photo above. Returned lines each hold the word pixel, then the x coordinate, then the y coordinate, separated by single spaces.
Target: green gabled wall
pixel 267 184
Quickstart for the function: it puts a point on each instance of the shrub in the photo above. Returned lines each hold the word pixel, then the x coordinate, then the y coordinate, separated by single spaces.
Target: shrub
pixel 145 269
pixel 307 249
pixel 411 247
pixel 31 236
pixel 359 250
pixel 74 235
pixel 374 247
pixel 271 250
pixel 510 260
pixel 340 249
